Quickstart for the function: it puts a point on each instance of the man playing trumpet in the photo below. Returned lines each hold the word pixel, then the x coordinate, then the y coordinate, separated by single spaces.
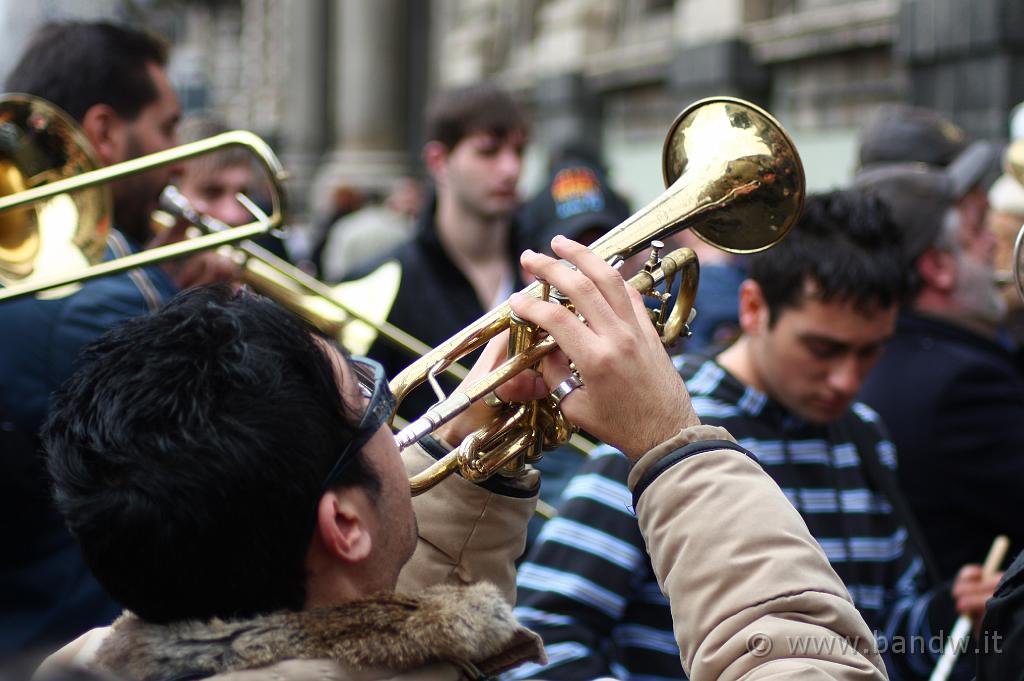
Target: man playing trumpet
pixel 233 481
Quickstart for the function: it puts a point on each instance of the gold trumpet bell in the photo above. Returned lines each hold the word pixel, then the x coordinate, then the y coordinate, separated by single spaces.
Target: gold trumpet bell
pixel 39 144
pixel 730 151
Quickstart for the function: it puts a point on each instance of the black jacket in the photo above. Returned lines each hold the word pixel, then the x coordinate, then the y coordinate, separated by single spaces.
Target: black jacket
pixel 1002 642
pixel 954 404
pixel 432 300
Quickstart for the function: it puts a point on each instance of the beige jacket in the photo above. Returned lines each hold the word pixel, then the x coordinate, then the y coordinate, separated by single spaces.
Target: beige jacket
pixel 749 586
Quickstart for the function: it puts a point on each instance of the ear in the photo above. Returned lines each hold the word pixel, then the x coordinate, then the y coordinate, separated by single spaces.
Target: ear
pixel 753 312
pixel 107 132
pixel 435 157
pixel 937 269
pixel 341 526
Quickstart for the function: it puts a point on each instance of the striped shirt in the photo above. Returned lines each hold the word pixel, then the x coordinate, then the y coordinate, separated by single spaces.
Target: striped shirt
pixel 588 589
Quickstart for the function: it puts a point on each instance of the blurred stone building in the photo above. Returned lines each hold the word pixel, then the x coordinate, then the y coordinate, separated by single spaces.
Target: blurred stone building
pixel 618 72
pixel 339 86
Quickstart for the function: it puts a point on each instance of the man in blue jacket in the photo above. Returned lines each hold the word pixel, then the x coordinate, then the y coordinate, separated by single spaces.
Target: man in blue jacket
pixel 112 81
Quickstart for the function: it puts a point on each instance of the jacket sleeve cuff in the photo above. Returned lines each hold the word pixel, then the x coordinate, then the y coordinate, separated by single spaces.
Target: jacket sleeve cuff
pixel 686 443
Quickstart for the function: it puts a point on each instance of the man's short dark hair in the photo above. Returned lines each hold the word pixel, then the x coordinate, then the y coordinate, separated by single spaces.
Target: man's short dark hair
pixel 456 114
pixel 77 65
pixel 845 244
pixel 189 451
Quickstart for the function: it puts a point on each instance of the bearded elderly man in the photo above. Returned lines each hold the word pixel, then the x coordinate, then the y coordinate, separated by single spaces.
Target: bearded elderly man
pixel 233 481
pixel 950 392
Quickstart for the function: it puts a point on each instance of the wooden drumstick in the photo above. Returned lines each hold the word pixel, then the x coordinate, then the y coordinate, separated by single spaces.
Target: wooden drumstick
pixel 962 629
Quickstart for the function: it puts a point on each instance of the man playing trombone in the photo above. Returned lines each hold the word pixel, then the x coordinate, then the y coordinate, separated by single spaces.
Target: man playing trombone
pixel 111 80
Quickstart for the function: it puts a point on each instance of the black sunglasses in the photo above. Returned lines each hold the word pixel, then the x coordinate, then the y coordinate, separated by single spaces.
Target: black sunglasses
pixel 373 384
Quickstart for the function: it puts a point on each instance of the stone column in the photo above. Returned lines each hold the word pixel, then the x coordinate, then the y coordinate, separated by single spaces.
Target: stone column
pixel 710 55
pixel 368 129
pixel 565 110
pixel 304 129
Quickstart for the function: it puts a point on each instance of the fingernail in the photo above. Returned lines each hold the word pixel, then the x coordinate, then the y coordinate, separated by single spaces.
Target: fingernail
pixel 558 237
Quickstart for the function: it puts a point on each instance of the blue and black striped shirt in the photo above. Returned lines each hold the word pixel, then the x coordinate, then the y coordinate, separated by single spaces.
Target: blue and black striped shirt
pixel 588 589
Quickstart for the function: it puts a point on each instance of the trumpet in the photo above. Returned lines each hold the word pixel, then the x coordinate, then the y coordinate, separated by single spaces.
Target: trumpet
pixel 733 176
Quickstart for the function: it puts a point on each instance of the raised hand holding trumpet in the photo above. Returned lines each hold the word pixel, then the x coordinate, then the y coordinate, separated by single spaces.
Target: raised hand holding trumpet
pixel 618 330
pixel 631 396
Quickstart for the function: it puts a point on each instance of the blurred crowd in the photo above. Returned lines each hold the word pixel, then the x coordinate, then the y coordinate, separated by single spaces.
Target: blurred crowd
pixel 873 360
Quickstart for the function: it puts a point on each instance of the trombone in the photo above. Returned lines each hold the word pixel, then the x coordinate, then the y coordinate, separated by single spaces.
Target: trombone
pixel 107 174
pixel 35 118
pixel 289 285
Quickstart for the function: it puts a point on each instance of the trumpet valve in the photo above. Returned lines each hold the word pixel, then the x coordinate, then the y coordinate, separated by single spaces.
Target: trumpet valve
pixel 654 259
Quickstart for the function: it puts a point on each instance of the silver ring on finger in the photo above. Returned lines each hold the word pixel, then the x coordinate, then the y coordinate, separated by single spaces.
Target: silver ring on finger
pixel 563 389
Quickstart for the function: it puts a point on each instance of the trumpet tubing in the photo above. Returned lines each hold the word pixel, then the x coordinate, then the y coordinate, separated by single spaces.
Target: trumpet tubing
pixel 522 431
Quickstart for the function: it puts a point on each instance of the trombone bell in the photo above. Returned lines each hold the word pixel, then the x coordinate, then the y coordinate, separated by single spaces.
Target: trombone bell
pixel 38 144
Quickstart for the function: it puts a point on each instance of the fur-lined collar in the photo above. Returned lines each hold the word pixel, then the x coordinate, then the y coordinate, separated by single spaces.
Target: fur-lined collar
pixel 388 631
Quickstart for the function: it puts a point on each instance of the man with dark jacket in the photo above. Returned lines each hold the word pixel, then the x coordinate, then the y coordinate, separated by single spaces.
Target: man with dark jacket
pixel 949 390
pixel 110 80
pixel 462 261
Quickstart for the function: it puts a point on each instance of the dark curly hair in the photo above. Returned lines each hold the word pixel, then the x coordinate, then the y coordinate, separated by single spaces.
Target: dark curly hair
pixel 189 451
pixel 846 243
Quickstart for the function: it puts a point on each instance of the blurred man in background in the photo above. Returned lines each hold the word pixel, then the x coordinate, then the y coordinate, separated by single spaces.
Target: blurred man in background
pixel 211 182
pixel 1005 217
pixel 463 260
pixel 947 388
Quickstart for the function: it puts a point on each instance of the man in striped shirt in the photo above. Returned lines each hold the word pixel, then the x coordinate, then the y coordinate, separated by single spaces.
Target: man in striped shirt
pixel 815 314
